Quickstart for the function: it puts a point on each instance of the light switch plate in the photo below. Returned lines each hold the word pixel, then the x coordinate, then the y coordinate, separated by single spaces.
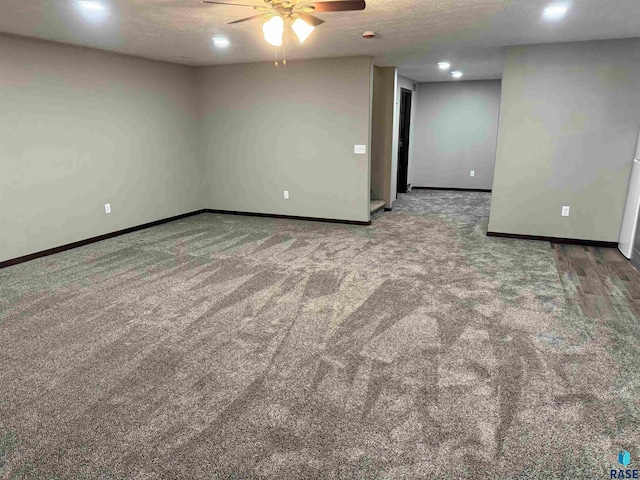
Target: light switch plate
pixel 360 149
pixel 286 194
pixel 472 173
pixel 107 208
pixel 566 210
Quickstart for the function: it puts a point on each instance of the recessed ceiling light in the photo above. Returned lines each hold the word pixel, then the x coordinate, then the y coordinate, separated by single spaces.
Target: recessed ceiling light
pixel 456 74
pixel 555 12
pixel 93 11
pixel 91 5
pixel 444 65
pixel 220 42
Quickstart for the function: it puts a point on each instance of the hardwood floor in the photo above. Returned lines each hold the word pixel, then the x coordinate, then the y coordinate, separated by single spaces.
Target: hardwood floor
pixel 598 281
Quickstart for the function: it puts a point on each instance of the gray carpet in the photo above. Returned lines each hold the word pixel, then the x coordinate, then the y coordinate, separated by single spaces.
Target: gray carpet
pixel 225 347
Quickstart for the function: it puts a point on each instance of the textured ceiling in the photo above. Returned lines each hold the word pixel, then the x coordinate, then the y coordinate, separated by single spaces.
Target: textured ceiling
pixel 412 34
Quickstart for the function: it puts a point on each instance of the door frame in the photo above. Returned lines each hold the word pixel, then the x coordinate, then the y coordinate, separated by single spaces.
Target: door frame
pixel 407 137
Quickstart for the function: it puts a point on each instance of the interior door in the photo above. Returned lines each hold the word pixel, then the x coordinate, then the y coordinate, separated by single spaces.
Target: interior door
pixel 403 141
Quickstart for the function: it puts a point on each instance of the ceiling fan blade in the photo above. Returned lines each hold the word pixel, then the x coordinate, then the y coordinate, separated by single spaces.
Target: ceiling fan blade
pixel 310 19
pixel 227 3
pixel 339 6
pixel 247 19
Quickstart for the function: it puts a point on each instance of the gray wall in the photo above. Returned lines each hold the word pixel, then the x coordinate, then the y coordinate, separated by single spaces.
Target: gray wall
pixel 569 122
pixel 456 128
pixel 382 133
pixel 266 130
pixel 80 128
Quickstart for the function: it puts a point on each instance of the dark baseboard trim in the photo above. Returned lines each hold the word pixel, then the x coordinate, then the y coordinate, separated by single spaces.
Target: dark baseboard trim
pixel 453 189
pixel 82 243
pixel 290 217
pixel 572 241
pixel 388 209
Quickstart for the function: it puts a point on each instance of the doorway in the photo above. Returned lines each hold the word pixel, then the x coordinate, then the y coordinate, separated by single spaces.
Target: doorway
pixel 403 141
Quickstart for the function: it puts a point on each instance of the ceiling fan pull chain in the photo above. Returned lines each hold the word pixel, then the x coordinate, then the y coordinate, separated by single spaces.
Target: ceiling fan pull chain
pixel 284 57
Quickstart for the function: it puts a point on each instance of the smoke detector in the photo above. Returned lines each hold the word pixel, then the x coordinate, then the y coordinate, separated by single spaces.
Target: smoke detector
pixel 369 35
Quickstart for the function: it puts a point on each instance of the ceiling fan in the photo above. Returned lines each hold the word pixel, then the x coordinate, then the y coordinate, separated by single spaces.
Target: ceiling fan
pixel 294 12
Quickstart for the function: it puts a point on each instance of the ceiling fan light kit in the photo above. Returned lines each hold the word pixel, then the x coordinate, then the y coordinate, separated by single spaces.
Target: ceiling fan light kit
pixel 273 29
pixel 302 29
pixel 296 13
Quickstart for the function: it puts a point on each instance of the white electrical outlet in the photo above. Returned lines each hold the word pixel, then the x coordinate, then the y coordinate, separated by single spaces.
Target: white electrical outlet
pixel 566 210
pixel 107 208
pixel 286 194
pixel 472 173
pixel 360 149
